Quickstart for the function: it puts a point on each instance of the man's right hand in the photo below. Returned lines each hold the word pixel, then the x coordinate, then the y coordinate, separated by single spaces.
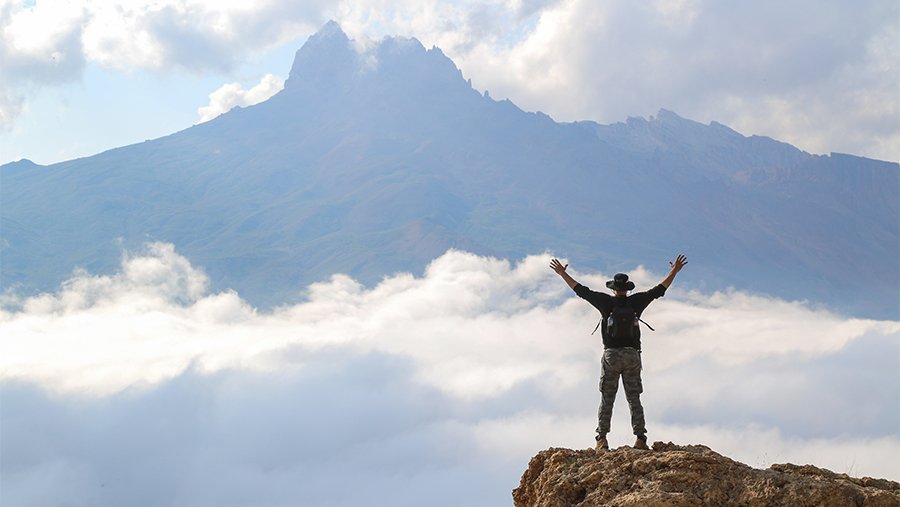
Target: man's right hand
pixel 557 266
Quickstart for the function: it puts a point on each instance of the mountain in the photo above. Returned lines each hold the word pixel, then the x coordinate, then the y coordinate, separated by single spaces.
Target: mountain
pixel 690 475
pixel 373 162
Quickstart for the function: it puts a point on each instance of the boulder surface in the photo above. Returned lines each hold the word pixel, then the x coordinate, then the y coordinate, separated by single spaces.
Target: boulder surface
pixel 689 475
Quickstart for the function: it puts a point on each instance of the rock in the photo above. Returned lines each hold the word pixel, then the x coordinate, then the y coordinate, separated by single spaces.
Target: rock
pixel 689 475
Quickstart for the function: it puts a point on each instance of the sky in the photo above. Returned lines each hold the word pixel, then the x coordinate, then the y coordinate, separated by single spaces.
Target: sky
pixel 143 387
pixel 77 78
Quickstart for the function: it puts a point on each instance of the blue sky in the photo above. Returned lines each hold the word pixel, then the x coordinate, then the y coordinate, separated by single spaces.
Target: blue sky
pixel 105 108
pixel 77 78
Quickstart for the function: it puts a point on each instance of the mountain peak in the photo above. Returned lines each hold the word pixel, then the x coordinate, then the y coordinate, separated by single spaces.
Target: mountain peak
pixel 330 62
pixel 686 475
pixel 331 29
pixel 326 57
pixel 331 34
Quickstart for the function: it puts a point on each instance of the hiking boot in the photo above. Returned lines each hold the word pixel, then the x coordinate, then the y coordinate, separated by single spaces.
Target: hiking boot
pixel 602 444
pixel 641 443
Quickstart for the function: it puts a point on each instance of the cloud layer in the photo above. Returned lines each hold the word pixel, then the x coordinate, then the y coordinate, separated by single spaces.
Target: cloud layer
pixel 819 75
pixel 144 381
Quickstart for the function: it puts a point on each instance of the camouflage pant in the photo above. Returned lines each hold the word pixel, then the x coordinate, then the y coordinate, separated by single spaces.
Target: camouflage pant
pixel 627 363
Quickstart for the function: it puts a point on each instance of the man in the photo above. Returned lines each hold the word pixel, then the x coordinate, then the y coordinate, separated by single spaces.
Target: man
pixel 622 344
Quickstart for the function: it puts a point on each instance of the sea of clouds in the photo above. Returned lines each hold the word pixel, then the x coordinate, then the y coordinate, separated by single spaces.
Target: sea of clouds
pixel 144 388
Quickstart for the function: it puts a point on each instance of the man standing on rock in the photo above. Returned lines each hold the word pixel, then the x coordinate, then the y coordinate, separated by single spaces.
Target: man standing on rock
pixel 621 342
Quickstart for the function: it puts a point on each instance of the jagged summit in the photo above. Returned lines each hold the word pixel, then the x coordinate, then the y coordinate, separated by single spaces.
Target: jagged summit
pixel 691 475
pixel 331 29
pixel 330 61
pixel 326 56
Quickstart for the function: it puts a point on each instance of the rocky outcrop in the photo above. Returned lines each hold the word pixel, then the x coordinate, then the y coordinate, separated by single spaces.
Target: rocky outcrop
pixel 691 475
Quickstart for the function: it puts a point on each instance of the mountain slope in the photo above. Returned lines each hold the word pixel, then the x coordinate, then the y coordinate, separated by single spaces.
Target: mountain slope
pixel 377 162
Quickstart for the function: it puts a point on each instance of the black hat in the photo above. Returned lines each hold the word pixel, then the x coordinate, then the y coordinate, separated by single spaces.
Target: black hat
pixel 620 282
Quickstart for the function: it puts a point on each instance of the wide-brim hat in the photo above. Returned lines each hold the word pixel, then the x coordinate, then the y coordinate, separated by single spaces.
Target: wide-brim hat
pixel 620 282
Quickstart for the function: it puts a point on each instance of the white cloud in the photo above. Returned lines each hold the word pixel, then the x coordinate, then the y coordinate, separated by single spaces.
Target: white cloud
pixel 194 35
pixel 474 326
pixel 233 94
pixel 785 76
pixel 39 46
pixel 454 377
pixel 50 42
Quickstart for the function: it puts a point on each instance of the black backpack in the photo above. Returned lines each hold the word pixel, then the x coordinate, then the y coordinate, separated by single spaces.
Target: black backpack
pixel 622 323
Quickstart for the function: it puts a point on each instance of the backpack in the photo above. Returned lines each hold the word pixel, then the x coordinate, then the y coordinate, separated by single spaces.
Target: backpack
pixel 622 323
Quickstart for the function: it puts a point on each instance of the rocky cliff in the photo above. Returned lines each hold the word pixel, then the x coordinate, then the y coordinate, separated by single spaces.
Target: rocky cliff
pixel 692 475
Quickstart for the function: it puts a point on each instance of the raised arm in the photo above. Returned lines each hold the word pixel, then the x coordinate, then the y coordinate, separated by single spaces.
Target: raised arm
pixel 555 265
pixel 676 266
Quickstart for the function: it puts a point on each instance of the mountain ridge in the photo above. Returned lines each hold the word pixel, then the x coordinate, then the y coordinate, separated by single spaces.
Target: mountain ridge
pixel 378 161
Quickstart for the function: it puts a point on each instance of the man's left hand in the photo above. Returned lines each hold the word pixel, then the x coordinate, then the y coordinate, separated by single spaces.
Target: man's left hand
pixel 679 263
